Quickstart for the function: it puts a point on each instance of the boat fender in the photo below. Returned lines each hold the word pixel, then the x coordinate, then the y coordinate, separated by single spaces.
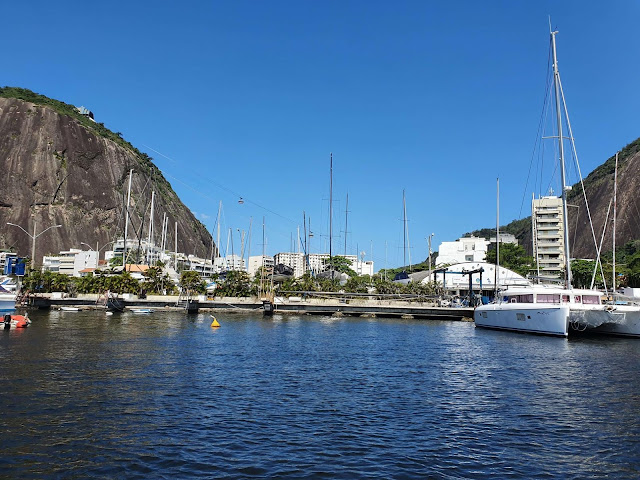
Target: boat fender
pixel 7 321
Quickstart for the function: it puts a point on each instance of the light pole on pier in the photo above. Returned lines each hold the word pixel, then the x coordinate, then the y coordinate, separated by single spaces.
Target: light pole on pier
pixel 33 239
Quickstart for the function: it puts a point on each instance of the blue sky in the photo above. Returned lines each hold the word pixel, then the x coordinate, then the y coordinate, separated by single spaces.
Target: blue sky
pixel 248 98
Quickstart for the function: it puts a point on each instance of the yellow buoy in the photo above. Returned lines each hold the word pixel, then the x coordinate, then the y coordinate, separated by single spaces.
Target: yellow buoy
pixel 215 323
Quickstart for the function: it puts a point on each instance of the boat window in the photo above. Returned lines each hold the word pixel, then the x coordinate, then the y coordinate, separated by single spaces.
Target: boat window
pixel 577 299
pixel 521 298
pixel 548 298
pixel 565 298
pixel 591 299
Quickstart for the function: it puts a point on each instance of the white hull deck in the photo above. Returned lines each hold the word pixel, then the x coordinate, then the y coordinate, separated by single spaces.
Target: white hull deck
pixel 530 318
pixel 7 302
pixel 620 320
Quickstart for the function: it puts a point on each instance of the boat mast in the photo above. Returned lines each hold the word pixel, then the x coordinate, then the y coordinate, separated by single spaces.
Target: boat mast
pixel 565 188
pixel 404 231
pixel 497 276
pixel 330 206
pixel 126 224
pixel 615 192
pixel 153 196
pixel 346 224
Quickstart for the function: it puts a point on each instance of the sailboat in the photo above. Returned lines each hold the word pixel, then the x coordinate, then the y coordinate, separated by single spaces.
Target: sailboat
pixel 621 317
pixel 403 277
pixel 551 310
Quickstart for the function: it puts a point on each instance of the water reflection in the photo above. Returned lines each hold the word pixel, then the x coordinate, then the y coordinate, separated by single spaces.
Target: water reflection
pixel 302 396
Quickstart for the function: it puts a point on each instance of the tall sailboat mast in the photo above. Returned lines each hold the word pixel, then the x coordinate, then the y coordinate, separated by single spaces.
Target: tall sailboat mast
pixel 150 237
pixel 126 223
pixel 565 188
pixel 615 193
pixel 497 275
pixel 330 205
pixel 346 224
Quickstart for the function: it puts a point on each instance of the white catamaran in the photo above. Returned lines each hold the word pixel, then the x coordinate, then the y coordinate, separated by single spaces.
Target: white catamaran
pixel 550 310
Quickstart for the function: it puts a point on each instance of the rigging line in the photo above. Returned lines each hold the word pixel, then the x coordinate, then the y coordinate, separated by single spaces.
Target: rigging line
pixel 598 259
pixel 540 126
pixel 575 153
pixel 221 187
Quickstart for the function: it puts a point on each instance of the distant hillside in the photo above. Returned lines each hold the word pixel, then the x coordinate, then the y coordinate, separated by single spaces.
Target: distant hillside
pixel 598 186
pixel 61 167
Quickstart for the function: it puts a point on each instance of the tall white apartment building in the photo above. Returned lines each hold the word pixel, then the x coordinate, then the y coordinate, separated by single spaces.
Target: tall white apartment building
pixel 293 260
pixel 548 235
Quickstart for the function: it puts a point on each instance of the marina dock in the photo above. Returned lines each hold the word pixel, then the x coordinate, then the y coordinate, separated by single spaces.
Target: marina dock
pixel 294 305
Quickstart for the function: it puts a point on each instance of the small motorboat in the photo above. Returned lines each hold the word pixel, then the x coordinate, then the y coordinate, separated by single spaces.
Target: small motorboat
pixel 141 310
pixel 16 321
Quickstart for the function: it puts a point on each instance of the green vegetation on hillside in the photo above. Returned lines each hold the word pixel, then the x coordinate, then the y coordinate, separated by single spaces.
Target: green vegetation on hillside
pixel 513 257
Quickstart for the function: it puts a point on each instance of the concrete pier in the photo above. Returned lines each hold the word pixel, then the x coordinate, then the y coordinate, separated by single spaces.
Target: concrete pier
pixel 298 305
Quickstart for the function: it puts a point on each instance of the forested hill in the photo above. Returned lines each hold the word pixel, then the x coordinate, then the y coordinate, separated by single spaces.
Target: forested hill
pixel 598 186
pixel 61 167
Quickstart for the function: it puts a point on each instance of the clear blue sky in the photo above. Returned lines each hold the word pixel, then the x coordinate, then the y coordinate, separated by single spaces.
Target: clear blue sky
pixel 248 98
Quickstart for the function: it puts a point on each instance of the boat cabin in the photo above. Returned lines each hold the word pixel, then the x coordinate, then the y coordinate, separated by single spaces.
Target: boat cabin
pixel 560 297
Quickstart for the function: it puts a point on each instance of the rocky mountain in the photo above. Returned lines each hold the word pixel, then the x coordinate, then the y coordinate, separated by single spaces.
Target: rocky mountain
pixel 598 186
pixel 61 167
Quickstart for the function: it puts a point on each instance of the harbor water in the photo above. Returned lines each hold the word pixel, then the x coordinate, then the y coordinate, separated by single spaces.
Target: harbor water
pixel 165 395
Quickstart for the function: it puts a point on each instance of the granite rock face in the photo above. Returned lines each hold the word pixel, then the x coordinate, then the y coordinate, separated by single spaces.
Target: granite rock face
pixel 599 191
pixel 57 171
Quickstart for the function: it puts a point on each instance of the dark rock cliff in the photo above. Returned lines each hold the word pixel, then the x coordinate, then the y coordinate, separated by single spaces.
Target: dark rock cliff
pixel 599 190
pixel 58 169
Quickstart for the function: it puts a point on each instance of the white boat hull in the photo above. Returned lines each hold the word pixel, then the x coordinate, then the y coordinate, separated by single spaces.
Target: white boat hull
pixel 625 322
pixel 7 302
pixel 530 318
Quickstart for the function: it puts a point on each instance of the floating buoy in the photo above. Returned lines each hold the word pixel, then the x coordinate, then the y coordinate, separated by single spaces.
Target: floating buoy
pixel 215 323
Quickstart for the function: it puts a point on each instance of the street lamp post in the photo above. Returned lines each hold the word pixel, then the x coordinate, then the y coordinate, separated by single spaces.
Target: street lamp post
pixel 33 238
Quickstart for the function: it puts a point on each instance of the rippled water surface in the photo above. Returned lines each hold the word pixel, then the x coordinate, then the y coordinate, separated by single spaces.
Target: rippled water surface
pixel 166 396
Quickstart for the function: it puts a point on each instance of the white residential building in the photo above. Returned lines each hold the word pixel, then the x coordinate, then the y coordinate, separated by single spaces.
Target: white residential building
pixel 258 261
pixel 149 252
pixel 505 238
pixel 466 249
pixel 70 262
pixel 548 235
pixel 293 260
pixel 203 266
pixel 315 262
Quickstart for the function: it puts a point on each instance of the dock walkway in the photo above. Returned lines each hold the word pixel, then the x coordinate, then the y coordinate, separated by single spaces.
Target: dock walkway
pixel 297 305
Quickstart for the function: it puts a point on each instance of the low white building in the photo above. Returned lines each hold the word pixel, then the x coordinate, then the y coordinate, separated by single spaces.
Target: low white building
pixel 70 262
pixel 465 249
pixel 455 282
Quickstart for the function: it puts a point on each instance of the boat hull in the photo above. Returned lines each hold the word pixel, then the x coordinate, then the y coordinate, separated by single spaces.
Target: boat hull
pixel 529 318
pixel 7 302
pixel 627 324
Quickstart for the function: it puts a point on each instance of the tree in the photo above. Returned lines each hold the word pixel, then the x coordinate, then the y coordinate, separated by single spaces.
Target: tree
pixel 156 281
pixel 236 284
pixel 340 264
pixel 191 282
pixel 514 257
